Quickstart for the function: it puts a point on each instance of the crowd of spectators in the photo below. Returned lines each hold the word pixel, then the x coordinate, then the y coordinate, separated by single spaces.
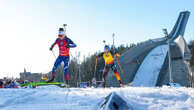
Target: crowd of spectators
pixel 10 83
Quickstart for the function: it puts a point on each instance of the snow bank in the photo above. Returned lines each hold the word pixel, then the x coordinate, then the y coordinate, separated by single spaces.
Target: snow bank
pixel 139 98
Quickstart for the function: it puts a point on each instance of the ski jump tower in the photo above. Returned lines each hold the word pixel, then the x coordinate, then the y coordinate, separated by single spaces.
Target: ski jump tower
pixel 147 64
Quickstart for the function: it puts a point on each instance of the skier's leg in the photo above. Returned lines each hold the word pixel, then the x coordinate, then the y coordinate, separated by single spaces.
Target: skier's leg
pixel 105 72
pixel 116 74
pixel 56 64
pixel 66 69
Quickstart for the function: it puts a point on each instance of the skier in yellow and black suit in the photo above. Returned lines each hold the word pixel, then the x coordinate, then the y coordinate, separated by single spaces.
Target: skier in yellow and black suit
pixel 109 63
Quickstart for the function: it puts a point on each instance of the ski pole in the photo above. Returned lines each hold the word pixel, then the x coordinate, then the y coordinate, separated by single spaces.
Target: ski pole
pixel 122 71
pixel 120 66
pixel 54 55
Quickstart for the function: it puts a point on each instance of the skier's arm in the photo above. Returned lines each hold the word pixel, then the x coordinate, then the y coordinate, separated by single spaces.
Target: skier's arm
pixel 53 44
pixel 71 44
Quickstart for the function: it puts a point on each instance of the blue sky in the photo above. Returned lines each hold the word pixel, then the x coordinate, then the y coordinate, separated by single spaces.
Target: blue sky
pixel 29 27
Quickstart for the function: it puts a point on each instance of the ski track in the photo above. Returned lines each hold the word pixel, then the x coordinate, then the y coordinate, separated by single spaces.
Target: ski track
pixel 54 98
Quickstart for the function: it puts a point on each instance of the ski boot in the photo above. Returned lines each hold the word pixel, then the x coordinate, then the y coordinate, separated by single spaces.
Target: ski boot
pixel 67 84
pixel 121 84
pixel 51 80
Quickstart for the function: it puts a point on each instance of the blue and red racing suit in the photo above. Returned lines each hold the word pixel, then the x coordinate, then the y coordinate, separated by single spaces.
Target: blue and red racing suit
pixel 64 45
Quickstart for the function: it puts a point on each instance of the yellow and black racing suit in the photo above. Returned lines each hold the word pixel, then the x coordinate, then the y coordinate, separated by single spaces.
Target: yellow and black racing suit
pixel 109 63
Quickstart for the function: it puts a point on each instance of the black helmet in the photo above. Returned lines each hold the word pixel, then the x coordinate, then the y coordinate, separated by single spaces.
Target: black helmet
pixel 106 47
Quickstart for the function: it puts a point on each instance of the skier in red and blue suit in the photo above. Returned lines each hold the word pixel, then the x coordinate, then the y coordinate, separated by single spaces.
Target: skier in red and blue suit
pixel 64 43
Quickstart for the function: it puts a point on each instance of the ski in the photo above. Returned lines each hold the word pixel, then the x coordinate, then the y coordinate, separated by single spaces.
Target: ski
pixel 60 84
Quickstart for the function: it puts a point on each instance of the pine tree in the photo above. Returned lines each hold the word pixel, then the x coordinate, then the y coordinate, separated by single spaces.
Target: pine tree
pixel 192 52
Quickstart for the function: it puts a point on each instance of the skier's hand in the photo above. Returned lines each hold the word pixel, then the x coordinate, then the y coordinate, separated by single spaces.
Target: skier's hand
pixel 51 49
pixel 67 46
pixel 117 55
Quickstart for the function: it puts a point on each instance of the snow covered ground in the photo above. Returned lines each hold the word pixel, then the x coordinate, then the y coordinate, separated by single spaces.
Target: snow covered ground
pixel 54 98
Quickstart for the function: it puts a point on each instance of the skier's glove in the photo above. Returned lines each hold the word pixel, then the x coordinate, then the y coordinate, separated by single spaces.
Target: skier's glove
pixel 51 49
pixel 67 46
pixel 117 55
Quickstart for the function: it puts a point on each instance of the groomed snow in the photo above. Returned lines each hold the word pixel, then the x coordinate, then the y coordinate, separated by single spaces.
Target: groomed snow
pixel 54 98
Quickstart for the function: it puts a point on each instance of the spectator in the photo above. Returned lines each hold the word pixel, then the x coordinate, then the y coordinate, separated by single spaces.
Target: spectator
pixel 1 84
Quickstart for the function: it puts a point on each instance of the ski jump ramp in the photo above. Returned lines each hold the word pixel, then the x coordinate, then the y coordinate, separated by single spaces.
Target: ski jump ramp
pixel 147 63
pixel 151 66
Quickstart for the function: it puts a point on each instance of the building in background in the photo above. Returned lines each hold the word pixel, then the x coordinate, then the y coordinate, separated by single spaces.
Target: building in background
pixel 34 77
